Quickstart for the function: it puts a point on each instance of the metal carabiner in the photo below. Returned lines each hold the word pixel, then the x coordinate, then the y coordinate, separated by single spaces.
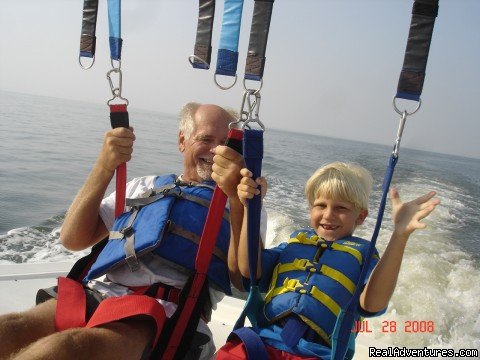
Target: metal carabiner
pixel 254 109
pixel 116 91
pixel 245 111
pixel 396 146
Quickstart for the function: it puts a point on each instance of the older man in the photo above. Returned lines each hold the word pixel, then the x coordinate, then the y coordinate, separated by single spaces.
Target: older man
pixel 38 334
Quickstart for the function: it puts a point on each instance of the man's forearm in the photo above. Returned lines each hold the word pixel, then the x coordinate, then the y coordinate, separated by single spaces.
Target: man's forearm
pixel 82 226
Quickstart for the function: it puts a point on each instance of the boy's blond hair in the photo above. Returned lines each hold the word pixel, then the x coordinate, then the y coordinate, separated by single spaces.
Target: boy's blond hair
pixel 345 181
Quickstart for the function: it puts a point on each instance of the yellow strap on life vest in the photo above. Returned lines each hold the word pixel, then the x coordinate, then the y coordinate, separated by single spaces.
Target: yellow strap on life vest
pixel 302 239
pixel 339 277
pixel 325 300
pixel 302 264
pixel 289 285
pixel 354 252
pixel 317 329
pixel 293 285
pixel 314 240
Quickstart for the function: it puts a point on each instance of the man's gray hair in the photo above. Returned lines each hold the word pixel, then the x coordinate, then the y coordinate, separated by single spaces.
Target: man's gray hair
pixel 187 117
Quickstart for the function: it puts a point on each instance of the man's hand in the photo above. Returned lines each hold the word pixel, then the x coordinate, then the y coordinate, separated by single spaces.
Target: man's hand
pixel 227 164
pixel 117 148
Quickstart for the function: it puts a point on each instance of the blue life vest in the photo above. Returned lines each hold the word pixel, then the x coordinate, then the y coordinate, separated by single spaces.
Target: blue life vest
pixel 314 279
pixel 169 222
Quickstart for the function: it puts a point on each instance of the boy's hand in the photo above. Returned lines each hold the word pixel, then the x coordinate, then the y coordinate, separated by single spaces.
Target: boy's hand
pixel 406 216
pixel 248 187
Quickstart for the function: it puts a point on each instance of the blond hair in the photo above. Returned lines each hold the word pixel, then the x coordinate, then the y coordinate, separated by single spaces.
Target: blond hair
pixel 346 181
pixel 187 117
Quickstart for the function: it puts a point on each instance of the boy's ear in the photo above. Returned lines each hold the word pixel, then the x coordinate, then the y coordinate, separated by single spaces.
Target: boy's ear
pixel 361 217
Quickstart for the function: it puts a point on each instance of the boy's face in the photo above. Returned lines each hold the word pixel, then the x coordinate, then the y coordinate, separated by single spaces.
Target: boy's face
pixel 334 219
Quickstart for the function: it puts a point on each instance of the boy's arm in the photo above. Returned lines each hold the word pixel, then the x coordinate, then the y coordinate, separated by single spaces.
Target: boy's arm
pixel 226 173
pixel 407 218
pixel 247 189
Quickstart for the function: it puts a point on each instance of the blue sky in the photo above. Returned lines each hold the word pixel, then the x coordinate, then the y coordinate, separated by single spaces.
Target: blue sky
pixel 332 66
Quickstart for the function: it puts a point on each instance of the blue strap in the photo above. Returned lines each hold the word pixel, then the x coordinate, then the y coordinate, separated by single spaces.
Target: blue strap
pixel 227 57
pixel 254 346
pixel 114 27
pixel 293 331
pixel 341 334
pixel 252 309
pixel 253 155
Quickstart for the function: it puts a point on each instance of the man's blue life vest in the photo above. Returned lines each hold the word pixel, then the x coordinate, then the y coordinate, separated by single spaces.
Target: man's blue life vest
pixel 167 221
pixel 314 279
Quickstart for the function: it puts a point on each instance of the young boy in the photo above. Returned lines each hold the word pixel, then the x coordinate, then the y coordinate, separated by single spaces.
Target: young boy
pixel 313 275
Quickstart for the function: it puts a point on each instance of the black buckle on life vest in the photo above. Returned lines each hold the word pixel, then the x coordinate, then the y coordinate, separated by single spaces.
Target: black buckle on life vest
pixel 303 289
pixel 315 267
pixel 127 231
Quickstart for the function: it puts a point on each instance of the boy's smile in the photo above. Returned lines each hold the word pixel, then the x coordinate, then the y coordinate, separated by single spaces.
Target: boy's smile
pixel 335 219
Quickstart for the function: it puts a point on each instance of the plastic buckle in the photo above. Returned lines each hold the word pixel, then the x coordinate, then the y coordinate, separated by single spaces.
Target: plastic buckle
pixel 127 231
pixel 132 263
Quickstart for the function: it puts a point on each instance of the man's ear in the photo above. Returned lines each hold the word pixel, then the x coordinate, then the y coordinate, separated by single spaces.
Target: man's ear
pixel 181 141
pixel 361 217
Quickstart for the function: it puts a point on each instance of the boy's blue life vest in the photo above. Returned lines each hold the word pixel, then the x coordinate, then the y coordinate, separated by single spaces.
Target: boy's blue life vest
pixel 167 221
pixel 314 279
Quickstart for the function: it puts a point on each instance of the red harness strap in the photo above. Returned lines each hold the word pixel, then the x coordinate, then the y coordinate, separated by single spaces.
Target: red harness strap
pixel 204 255
pixel 119 118
pixel 127 306
pixel 71 305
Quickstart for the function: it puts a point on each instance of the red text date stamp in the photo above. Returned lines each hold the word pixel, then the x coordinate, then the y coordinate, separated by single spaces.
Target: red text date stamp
pixel 392 326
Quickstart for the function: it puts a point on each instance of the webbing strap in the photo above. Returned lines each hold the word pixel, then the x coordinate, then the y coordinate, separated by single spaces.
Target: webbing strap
pixel 412 76
pixel 89 24
pixel 227 57
pixel 342 331
pixel 128 306
pixel 203 42
pixel 114 27
pixel 262 14
pixel 253 155
pixel 119 118
pixel 254 346
pixel 180 231
pixel 202 260
pixel 305 265
pixel 71 305
pixel 293 330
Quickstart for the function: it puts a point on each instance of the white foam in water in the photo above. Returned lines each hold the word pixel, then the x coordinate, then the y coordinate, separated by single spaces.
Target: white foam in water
pixel 438 282
pixel 32 245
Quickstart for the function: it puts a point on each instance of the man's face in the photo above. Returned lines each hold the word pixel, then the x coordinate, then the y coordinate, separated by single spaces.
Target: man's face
pixel 211 130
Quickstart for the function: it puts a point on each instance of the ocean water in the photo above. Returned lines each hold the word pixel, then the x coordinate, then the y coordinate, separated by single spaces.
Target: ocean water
pixel 49 145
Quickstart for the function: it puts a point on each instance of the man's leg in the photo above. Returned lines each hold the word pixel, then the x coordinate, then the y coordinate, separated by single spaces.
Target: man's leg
pixel 118 340
pixel 18 330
